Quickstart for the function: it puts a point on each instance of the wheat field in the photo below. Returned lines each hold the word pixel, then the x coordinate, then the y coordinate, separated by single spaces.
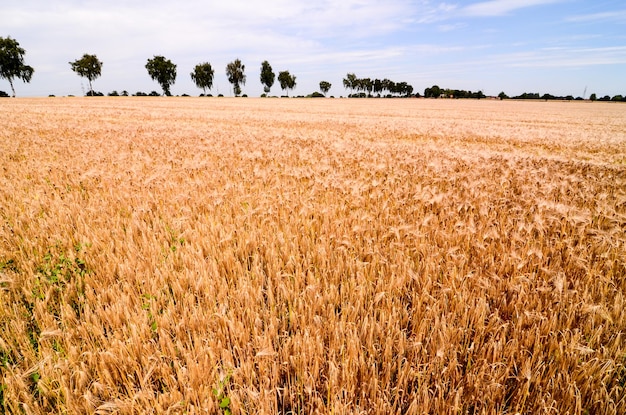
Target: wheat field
pixel 294 256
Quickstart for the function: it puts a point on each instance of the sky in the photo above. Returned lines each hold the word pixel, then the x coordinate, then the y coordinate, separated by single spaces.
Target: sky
pixel 561 47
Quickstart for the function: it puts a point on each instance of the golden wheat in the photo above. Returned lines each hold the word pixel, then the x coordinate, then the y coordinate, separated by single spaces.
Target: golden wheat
pixel 312 256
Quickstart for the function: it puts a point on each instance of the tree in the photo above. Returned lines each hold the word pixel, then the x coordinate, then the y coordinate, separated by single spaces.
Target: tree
pixel 432 92
pixel 235 71
pixel 388 85
pixel 88 67
pixel 502 95
pixel 367 86
pixel 267 76
pixel 286 80
pixel 202 76
pixel 325 87
pixel 593 97
pixel 163 71
pixel 350 82
pixel 377 86
pixel 12 62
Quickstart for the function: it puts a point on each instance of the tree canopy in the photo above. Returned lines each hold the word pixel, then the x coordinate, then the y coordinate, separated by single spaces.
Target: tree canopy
pixel 88 67
pixel 286 80
pixel 163 71
pixel 350 81
pixel 365 86
pixel 235 71
pixel 325 87
pixel 267 76
pixel 12 62
pixel 202 76
pixel 432 92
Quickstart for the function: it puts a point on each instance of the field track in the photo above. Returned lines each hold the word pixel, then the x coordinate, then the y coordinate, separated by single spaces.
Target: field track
pixel 233 255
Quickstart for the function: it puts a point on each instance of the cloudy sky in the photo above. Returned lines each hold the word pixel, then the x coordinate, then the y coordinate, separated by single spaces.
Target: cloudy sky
pixel 547 46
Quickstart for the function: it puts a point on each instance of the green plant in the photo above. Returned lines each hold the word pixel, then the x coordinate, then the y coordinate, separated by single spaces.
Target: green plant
pixel 66 276
pixel 146 306
pixel 2 399
pixel 34 387
pixel 220 394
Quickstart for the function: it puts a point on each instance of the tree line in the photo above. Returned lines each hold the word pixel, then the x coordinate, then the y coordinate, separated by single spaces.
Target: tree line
pixel 436 92
pixel 160 69
pixel 550 97
pixel 164 72
pixel 366 86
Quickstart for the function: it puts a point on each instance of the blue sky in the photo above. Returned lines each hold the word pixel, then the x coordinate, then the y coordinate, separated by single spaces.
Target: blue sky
pixel 547 46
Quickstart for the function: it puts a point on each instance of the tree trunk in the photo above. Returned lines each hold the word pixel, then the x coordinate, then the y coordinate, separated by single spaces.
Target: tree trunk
pixel 12 87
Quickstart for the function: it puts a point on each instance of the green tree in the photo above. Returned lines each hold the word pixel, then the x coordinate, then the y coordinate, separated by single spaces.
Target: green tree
pixel 12 62
pixel 404 89
pixel 350 82
pixel 235 71
pixel 88 67
pixel 388 85
pixel 593 97
pixel 377 86
pixel 432 92
pixel 325 87
pixel 502 95
pixel 202 76
pixel 286 81
pixel 267 76
pixel 163 71
pixel 367 86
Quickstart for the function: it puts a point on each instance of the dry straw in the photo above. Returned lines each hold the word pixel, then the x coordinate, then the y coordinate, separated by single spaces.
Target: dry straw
pixel 299 256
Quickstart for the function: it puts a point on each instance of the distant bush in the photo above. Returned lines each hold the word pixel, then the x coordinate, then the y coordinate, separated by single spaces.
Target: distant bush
pixel 528 95
pixel 4 94
pixel 244 96
pixel 51 96
pixel 113 94
pixel 140 94
pixel 154 94
pixel 220 95
pixel 94 94
pixel 316 95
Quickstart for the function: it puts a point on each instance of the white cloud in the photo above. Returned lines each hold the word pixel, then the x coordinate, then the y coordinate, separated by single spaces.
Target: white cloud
pixel 563 57
pixel 451 27
pixel 502 7
pixel 615 16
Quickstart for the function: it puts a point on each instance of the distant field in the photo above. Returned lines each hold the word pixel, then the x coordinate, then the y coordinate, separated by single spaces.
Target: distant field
pixel 221 255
